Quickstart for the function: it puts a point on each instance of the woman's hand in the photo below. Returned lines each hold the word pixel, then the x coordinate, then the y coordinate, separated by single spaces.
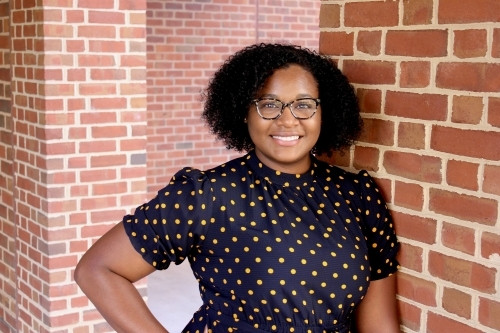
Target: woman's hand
pixel 106 274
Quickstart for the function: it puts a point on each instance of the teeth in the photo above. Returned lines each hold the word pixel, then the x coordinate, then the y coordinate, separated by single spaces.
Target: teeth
pixel 287 138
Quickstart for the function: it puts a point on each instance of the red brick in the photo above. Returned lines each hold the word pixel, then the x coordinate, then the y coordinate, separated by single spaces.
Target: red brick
pixel 133 89
pixel 459 206
pixel 97 146
pixel 329 16
pixel 468 11
pixel 437 323
pixel 473 143
pixel 61 178
pixel 370 72
pixel 108 160
pixel 415 74
pixel 107 17
pixel 410 315
pixel 98 117
pixel 77 162
pixel 408 195
pixel 411 257
pixel 417 12
pixel 420 43
pixel 98 204
pixel 92 31
pixel 470 43
pixel 88 89
pixel 488 313
pixel 457 302
pixel 462 272
pixel 109 188
pixel 109 103
pixel 75 16
pixel 85 60
pixel 378 131
pixel 140 32
pixel 458 237
pixel 467 109
pixel 61 206
pixel 99 132
pixel 104 216
pixel 336 43
pixel 416 106
pixel 478 77
pixel 495 51
pixel 491 181
pixel 366 158
pixel 490 245
pixel 370 100
pixel 462 174
pixel 369 42
pixel 494 112
pixel 92 4
pixel 95 175
pixel 411 135
pixel 371 14
pixel 100 74
pixel 56 148
pixel 417 289
pixel 64 319
pixel 79 191
pixel 413 166
pixel 415 227
pixel 133 144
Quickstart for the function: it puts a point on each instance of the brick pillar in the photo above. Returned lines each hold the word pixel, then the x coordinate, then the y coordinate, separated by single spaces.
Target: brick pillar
pixel 426 73
pixel 77 162
pixel 7 226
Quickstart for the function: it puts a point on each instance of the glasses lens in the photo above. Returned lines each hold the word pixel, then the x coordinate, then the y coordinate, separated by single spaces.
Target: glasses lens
pixel 269 108
pixel 304 108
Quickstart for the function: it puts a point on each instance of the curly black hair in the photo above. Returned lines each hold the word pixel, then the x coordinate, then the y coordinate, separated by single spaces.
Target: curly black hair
pixel 236 83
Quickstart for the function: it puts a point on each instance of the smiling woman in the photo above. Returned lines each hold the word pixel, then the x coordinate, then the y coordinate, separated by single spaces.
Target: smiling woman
pixel 277 240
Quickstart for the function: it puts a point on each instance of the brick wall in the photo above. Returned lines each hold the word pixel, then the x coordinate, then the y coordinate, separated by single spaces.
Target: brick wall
pixel 73 149
pixel 187 41
pixel 427 74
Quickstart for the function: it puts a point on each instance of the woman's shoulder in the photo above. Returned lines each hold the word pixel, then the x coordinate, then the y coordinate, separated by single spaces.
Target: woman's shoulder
pixel 228 171
pixel 337 173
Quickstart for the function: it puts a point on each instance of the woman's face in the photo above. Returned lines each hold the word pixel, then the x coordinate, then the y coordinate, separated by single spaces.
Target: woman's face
pixel 285 143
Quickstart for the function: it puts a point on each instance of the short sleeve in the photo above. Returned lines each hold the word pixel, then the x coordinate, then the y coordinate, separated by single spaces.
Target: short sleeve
pixel 168 227
pixel 378 228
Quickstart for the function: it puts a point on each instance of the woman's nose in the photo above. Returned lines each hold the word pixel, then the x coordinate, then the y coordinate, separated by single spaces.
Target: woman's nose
pixel 287 115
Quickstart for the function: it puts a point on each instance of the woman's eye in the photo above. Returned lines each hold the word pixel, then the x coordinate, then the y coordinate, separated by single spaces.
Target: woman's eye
pixel 270 105
pixel 304 105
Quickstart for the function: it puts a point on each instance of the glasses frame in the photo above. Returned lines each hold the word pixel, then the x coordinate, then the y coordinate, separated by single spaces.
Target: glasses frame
pixel 284 105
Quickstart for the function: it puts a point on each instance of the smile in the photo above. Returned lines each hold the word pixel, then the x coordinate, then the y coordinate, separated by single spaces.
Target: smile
pixel 286 138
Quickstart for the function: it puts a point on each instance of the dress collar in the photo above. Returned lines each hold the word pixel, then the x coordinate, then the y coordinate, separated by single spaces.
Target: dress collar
pixel 278 177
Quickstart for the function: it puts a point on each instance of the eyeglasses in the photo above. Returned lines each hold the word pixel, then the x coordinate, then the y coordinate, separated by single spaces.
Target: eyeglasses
pixel 272 108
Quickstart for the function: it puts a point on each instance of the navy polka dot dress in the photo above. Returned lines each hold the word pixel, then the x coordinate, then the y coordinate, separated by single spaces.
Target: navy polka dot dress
pixel 272 252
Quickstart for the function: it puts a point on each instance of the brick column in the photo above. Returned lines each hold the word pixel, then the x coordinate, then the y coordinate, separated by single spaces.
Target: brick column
pixel 7 226
pixel 79 146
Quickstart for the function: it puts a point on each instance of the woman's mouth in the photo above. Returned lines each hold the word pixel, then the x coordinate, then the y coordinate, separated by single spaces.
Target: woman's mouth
pixel 286 138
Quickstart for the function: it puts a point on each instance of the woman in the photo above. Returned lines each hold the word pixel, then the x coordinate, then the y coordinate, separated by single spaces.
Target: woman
pixel 278 240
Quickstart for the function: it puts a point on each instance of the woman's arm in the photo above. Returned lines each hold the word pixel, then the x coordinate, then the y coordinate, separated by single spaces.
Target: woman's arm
pixel 377 312
pixel 106 274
